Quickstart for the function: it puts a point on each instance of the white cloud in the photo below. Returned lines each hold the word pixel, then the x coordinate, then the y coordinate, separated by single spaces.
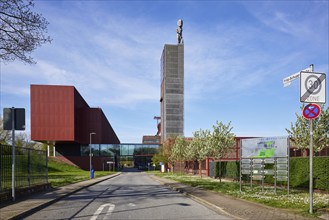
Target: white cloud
pixel 305 21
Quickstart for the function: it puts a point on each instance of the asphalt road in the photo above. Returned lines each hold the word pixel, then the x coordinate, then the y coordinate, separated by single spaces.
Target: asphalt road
pixel 131 195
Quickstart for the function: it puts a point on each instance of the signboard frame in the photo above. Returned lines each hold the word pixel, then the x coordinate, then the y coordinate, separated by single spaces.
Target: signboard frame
pixel 280 164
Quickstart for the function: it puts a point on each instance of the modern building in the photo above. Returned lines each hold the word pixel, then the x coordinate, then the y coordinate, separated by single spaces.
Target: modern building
pixel 62 118
pixel 172 91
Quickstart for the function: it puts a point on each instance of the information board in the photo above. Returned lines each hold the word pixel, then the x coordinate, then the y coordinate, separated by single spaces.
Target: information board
pixel 264 147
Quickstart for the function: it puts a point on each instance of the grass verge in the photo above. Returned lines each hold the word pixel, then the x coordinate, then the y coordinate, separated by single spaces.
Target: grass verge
pixel 297 200
pixel 60 173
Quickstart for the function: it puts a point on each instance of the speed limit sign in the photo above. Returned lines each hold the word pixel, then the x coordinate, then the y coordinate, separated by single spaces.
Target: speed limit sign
pixel 312 87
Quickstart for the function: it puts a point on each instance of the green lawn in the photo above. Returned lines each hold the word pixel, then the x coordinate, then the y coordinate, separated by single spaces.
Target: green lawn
pixel 297 200
pixel 60 174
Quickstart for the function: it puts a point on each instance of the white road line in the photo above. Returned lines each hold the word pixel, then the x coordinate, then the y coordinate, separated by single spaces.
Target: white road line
pixel 100 209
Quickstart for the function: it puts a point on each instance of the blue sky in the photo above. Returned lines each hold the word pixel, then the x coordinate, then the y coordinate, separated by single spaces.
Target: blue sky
pixel 236 56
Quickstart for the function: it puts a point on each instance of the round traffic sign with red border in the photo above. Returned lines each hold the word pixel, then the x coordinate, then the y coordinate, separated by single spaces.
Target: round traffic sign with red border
pixel 311 111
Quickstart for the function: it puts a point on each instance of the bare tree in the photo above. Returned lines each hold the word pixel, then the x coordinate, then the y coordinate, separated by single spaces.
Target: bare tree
pixel 23 140
pixel 5 136
pixel 21 30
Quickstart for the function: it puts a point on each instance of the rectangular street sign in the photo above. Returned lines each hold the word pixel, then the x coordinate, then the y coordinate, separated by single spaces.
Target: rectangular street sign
pixel 281 178
pixel 245 171
pixel 287 81
pixel 19 118
pixel 312 87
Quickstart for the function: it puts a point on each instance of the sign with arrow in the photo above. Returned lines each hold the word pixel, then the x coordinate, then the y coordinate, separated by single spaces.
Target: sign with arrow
pixel 311 111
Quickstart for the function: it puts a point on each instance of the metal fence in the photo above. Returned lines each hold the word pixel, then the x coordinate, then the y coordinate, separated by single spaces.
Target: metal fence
pixel 212 169
pixel 31 167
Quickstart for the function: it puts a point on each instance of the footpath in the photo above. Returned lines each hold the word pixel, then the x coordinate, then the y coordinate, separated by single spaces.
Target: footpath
pixel 232 207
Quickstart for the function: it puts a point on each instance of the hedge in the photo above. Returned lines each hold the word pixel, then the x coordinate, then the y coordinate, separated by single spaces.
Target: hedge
pixel 299 172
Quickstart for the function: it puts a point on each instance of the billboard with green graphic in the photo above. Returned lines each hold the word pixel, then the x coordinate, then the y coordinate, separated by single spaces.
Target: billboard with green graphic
pixel 264 147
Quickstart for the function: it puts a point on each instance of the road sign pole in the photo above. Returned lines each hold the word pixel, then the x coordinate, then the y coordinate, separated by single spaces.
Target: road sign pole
pixel 13 153
pixel 311 158
pixel 311 166
pixel 310 112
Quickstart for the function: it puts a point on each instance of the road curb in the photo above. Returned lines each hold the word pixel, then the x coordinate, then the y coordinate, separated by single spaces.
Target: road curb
pixel 52 201
pixel 210 205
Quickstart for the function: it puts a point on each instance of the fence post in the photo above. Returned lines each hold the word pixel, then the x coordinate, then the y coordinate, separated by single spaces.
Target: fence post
pixel 207 165
pixel 28 168
pixel 1 168
pixel 46 168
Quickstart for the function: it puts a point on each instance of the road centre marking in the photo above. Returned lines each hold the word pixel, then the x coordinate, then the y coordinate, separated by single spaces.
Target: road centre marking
pixel 100 209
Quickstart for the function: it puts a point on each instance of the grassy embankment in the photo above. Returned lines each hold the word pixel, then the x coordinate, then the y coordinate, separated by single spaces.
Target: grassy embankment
pixel 60 174
pixel 296 201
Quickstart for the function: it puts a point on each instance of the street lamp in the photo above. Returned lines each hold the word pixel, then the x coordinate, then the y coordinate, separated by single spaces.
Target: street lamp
pixel 90 153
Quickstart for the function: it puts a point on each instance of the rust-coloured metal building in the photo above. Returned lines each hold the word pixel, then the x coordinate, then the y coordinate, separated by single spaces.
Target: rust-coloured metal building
pixel 60 116
pixel 151 139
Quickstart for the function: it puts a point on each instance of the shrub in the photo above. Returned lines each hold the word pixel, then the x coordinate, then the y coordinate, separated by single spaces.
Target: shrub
pixel 233 169
pixel 299 172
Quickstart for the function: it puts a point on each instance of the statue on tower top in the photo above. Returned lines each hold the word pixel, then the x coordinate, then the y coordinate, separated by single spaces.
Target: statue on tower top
pixel 179 31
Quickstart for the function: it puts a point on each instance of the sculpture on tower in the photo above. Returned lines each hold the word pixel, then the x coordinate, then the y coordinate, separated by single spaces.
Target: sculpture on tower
pixel 179 31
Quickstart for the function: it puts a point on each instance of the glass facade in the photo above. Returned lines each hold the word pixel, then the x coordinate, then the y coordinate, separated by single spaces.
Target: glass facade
pixel 105 150
pixel 128 154
pixel 119 149
pixel 138 149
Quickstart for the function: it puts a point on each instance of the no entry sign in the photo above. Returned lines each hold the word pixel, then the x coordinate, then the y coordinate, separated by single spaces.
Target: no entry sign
pixel 311 111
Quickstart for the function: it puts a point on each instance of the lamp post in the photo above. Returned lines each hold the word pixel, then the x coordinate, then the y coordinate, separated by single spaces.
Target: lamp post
pixel 92 133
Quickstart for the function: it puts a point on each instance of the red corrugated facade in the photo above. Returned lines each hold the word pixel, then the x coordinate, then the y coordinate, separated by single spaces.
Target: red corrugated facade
pixel 52 113
pixel 59 114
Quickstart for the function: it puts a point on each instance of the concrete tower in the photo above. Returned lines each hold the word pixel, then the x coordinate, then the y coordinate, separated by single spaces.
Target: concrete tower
pixel 172 88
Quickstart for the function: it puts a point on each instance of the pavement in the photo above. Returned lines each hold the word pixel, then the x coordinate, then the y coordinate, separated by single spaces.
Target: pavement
pixel 30 204
pixel 232 207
